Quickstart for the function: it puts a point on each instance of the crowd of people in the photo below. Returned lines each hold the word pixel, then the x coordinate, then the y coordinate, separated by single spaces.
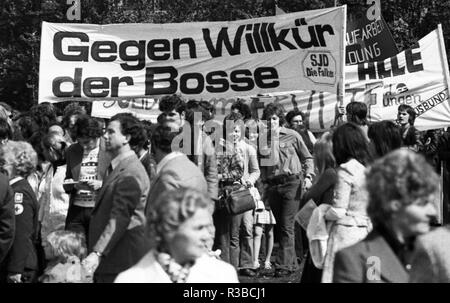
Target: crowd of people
pixel 85 199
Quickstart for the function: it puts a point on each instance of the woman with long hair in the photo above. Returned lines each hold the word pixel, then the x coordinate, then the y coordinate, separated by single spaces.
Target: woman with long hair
pixel 348 213
pixel 321 192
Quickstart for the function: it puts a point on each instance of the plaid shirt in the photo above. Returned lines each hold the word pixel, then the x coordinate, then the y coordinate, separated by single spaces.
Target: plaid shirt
pixel 230 167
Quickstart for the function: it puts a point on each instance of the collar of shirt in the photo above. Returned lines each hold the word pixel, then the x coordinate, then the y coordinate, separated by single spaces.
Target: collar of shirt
pixel 276 134
pixel 231 147
pixel 166 159
pixel 15 180
pixel 283 130
pixel 120 157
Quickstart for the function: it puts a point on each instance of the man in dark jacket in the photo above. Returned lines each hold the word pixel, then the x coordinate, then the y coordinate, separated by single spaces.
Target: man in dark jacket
pixel 116 231
pixel 7 219
pixel 21 263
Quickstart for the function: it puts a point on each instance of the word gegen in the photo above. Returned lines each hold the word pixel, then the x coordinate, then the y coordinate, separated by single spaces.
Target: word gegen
pixel 259 38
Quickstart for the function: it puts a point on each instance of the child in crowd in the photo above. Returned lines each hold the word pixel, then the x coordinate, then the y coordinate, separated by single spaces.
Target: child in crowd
pixel 64 250
pixel 263 221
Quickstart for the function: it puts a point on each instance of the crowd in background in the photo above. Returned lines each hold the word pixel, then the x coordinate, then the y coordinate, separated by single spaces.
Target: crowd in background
pixel 85 199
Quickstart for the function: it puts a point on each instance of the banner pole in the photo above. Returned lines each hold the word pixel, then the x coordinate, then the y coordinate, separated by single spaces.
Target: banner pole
pixel 447 80
pixel 341 89
pixel 444 59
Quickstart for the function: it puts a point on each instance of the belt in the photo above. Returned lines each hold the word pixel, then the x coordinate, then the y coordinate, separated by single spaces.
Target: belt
pixel 280 179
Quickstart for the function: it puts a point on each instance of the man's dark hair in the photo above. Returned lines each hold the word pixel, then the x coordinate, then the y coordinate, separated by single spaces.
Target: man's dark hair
pixel 294 113
pixel 385 137
pixel 5 130
pixel 242 108
pixel 411 112
pixel 358 112
pixel 172 102
pixel 141 139
pixel 208 110
pixel 192 104
pixel 210 107
pixel 129 125
pixel 205 114
pixel 87 127
pixel 274 109
pixel 163 136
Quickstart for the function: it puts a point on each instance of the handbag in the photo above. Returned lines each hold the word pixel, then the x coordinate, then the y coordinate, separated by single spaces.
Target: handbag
pixel 239 201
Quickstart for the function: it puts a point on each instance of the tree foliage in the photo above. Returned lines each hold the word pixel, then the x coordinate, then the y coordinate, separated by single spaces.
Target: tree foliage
pixel 20 21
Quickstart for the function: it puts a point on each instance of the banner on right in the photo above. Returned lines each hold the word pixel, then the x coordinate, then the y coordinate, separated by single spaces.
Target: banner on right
pixel 417 77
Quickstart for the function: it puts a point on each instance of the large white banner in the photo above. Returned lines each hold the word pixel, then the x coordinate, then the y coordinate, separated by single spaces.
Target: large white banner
pixel 416 77
pixel 85 62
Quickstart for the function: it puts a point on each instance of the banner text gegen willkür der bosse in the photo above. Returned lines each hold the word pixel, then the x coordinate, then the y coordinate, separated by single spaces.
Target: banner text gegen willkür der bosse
pixel 84 62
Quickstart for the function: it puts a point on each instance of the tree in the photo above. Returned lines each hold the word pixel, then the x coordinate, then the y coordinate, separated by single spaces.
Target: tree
pixel 19 48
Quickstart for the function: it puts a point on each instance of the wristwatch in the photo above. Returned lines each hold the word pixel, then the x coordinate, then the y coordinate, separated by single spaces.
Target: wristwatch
pixel 98 254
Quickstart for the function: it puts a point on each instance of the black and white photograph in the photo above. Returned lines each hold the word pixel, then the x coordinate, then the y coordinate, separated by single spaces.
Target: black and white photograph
pixel 259 142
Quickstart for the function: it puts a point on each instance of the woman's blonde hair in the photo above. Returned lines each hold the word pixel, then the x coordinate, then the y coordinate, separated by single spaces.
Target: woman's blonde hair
pixel 20 155
pixel 66 243
pixel 171 209
pixel 323 153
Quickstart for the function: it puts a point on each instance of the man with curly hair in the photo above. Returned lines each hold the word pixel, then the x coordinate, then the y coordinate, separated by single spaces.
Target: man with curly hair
pixel 173 108
pixel 87 162
pixel 286 169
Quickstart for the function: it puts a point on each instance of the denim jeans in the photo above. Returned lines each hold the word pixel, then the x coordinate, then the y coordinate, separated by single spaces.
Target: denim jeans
pixel 241 252
pixel 284 200
pixel 78 219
